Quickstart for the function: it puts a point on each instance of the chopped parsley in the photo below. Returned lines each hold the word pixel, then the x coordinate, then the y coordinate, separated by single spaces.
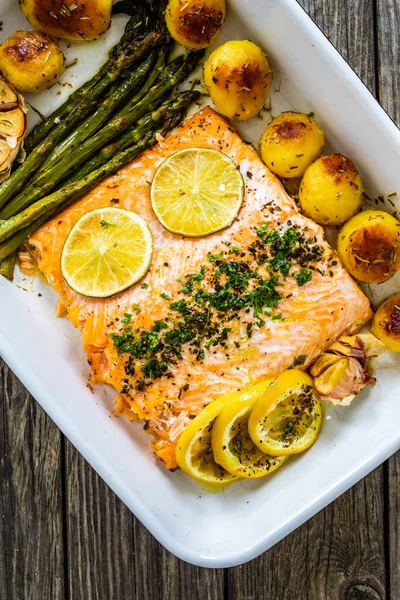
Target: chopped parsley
pixel 107 225
pixel 303 277
pixel 126 319
pixel 299 360
pixel 215 257
pixel 224 290
pixel 144 286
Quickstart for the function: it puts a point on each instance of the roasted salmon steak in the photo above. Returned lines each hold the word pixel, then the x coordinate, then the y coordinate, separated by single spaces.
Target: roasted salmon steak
pixel 213 314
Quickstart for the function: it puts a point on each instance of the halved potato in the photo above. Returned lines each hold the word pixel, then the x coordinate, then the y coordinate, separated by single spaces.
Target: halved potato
pixel 238 76
pixel 31 61
pixel 331 191
pixel 68 19
pixel 386 323
pixel 13 127
pixel 369 246
pixel 290 143
pixel 195 23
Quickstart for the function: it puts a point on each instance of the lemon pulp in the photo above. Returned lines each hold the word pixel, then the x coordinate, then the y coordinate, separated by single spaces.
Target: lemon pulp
pixel 288 418
pixel 196 192
pixel 106 251
pixel 232 445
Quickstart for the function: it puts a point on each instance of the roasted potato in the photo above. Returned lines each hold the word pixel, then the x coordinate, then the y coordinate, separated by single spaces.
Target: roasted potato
pixel 31 61
pixel 331 190
pixel 290 143
pixel 386 323
pixel 238 76
pixel 369 246
pixel 68 19
pixel 13 127
pixel 195 23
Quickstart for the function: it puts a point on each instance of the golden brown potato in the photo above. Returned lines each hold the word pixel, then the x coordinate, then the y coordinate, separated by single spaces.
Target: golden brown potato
pixel 68 19
pixel 386 323
pixel 238 76
pixel 369 246
pixel 290 143
pixel 195 23
pixel 13 127
pixel 31 61
pixel 331 191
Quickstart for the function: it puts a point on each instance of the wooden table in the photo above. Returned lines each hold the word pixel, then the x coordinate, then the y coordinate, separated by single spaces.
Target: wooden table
pixel 65 536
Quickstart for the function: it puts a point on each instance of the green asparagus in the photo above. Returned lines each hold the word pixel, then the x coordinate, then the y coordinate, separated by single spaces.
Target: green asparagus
pixel 14 231
pixel 7 265
pixel 93 123
pixel 48 180
pixel 117 61
pixel 171 107
pixel 17 180
pixel 51 204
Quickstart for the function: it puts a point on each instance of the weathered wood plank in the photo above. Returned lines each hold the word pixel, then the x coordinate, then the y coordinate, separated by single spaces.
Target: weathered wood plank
pixel 339 554
pixel 393 526
pixel 111 555
pixel 388 46
pixel 31 532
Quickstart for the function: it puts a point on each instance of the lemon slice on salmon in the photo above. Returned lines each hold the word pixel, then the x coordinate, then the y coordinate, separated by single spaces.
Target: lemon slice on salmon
pixel 197 191
pixel 232 446
pixel 287 419
pixel 106 251
pixel 194 452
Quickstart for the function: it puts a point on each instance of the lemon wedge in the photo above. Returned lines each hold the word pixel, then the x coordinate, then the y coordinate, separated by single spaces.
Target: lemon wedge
pixel 288 417
pixel 194 452
pixel 196 192
pixel 106 251
pixel 232 446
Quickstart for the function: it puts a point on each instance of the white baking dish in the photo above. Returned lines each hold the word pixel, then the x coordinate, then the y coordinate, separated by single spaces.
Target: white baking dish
pixel 225 529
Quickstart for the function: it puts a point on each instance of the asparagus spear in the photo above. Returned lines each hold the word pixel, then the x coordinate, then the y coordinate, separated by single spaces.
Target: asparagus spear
pixel 169 109
pixel 48 206
pixel 138 25
pixel 14 241
pixel 7 265
pixel 14 183
pixel 51 204
pixel 93 123
pixel 176 72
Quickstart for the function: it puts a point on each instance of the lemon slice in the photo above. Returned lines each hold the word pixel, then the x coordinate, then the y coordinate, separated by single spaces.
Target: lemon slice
pixel 194 453
pixel 288 418
pixel 106 251
pixel 232 446
pixel 196 192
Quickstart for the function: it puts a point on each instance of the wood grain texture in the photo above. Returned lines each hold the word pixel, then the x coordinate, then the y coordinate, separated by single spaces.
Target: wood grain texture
pixel 349 551
pixel 339 554
pixel 388 51
pixel 112 556
pixel 31 533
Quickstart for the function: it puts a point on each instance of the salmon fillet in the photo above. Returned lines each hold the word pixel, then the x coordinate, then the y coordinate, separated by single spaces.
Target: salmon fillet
pixel 212 315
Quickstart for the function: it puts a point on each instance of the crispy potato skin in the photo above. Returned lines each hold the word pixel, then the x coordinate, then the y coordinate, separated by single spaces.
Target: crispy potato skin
pixel 386 323
pixel 68 19
pixel 331 190
pixel 369 246
pixel 195 23
pixel 238 76
pixel 31 61
pixel 290 143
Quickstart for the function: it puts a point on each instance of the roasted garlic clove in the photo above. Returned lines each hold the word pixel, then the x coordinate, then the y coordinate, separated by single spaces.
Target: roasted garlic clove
pixel 13 127
pixel 324 361
pixel 344 378
pixel 360 346
pixel 344 369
